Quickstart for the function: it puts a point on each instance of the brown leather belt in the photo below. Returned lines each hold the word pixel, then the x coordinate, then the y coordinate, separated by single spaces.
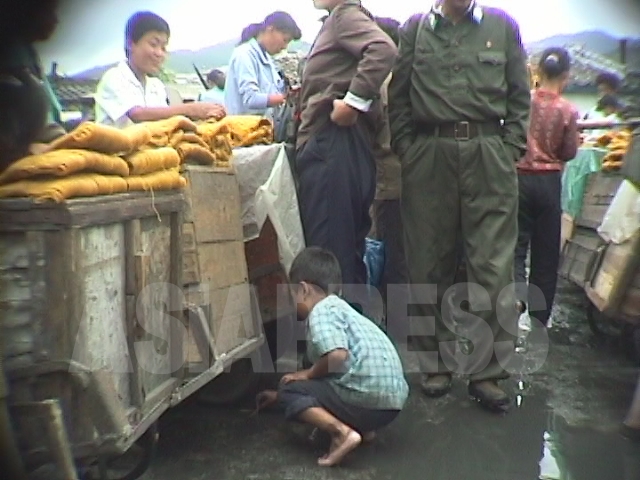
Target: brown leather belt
pixel 460 130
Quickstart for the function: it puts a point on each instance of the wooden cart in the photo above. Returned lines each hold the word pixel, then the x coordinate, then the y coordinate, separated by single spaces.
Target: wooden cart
pixel 609 273
pixel 97 343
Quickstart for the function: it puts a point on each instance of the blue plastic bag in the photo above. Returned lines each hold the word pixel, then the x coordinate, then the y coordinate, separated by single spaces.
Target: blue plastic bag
pixel 374 259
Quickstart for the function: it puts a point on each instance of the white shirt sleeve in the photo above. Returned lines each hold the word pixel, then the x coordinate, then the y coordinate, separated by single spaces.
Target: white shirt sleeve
pixel 116 96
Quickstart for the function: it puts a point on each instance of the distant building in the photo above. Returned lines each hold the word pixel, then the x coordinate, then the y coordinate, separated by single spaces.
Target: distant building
pixel 74 94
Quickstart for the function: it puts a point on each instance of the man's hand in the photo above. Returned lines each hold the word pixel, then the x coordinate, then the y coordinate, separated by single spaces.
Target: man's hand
pixel 204 110
pixel 276 100
pixel 295 377
pixel 343 114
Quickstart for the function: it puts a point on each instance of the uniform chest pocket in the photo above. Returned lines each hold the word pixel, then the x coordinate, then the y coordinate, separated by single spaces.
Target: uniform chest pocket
pixel 491 71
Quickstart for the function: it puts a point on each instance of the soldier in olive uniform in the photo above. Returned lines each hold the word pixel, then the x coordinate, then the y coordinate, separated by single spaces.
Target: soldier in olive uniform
pixel 459 108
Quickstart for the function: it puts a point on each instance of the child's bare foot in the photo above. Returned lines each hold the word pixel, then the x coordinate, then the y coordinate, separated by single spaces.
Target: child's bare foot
pixel 369 437
pixel 340 447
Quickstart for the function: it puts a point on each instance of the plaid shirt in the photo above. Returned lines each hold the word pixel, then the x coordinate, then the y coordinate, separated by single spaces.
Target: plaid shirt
pixel 373 376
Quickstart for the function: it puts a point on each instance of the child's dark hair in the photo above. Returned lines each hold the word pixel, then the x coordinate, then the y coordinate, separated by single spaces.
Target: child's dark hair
pixel 23 114
pixel 141 23
pixel 609 101
pixel 281 21
pixel 611 80
pixel 554 63
pixel 318 267
pixel 389 26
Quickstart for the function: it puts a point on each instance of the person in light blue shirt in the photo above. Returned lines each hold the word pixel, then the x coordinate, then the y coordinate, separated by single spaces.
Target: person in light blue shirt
pixel 216 80
pixel 254 85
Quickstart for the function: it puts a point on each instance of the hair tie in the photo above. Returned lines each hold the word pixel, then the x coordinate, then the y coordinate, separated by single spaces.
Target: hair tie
pixel 553 58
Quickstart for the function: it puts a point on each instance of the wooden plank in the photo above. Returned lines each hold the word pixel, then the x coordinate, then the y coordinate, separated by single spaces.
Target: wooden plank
pixel 131 248
pixel 38 287
pixel 131 329
pixel 222 264
pixel 231 321
pixel 579 254
pixel 214 204
pixel 191 265
pixel 176 297
pixel 599 193
pixel 22 214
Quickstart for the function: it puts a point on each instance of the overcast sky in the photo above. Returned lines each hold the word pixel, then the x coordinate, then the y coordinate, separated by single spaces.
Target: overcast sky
pixel 91 31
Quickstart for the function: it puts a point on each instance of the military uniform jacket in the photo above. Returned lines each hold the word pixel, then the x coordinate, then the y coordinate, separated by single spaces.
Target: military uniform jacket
pixel 473 71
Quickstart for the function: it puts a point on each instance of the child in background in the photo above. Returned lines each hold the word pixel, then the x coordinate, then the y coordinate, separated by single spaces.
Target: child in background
pixel 129 93
pixel 356 385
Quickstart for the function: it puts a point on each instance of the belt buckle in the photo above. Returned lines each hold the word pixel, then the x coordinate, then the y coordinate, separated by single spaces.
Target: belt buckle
pixel 461 131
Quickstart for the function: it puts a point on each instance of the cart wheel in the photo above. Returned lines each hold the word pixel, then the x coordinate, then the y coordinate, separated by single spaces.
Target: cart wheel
pixel 602 326
pixel 132 464
pixel 232 386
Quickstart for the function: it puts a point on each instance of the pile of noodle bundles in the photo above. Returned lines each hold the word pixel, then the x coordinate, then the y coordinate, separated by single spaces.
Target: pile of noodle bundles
pixel 196 153
pixel 162 180
pixel 163 130
pixel 90 185
pixel 61 189
pixel 63 163
pixel 149 161
pixel 242 130
pixel 104 139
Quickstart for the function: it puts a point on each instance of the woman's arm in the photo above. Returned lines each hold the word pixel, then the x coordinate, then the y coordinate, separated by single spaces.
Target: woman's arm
pixel 570 140
pixel 246 71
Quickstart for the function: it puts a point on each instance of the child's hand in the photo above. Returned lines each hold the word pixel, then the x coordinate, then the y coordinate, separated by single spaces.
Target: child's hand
pixel 295 377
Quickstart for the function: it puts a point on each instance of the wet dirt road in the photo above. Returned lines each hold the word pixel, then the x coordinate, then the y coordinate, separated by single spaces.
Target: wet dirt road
pixel 564 427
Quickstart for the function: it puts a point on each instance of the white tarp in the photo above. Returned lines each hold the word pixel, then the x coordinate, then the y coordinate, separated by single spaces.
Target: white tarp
pixel 622 219
pixel 267 189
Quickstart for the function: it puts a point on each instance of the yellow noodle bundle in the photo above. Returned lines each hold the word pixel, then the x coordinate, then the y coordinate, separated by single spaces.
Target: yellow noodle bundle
pixel 163 180
pixel 61 189
pixel 104 139
pixel 195 153
pixel 152 160
pixel 241 130
pixel 614 156
pixel 62 163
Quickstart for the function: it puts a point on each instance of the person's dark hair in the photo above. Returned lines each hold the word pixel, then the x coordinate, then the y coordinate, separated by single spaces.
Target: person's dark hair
pixel 389 26
pixel 318 267
pixel 609 101
pixel 28 20
pixel 23 114
pixel 611 80
pixel 216 77
pixel 554 63
pixel 250 31
pixel 281 21
pixel 141 23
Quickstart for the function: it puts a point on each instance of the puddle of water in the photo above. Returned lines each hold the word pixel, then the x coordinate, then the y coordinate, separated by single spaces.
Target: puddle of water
pixel 531 442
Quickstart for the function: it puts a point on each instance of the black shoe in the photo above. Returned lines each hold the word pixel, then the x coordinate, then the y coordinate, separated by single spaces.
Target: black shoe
pixel 490 396
pixel 435 386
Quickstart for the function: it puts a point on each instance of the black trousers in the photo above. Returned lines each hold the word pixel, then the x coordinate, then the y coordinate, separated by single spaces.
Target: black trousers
pixel 296 397
pixel 539 223
pixel 337 175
